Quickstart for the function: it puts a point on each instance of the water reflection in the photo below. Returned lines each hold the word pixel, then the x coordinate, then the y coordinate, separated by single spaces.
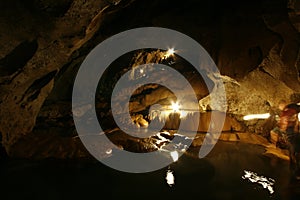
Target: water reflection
pixel 174 155
pixel 170 178
pixel 217 176
pixel 267 183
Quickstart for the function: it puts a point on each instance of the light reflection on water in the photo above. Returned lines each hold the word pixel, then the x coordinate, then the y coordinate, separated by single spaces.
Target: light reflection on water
pixel 170 178
pixel 267 183
pixel 174 155
pixel 217 176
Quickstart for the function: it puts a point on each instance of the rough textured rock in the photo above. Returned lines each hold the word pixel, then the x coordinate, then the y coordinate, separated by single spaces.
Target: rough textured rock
pixel 254 43
pixel 53 38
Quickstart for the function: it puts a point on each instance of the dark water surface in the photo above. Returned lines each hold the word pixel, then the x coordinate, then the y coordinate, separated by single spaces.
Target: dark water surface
pixel 218 176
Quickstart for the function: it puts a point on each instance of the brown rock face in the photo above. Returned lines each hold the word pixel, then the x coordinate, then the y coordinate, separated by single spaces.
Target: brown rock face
pixel 37 42
pixel 255 45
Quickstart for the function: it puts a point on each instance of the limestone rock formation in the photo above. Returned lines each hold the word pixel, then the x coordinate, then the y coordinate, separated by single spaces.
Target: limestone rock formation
pixel 255 45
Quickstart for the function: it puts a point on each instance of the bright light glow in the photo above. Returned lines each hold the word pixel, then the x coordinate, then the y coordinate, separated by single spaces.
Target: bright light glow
pixel 162 114
pixel 298 113
pixel 169 52
pixel 175 107
pixel 108 151
pixel 183 114
pixel 141 71
pixel 265 182
pixel 257 116
pixel 170 178
pixel 174 155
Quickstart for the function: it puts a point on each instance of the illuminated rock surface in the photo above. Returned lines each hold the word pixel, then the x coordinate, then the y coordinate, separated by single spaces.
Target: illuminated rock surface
pixel 40 59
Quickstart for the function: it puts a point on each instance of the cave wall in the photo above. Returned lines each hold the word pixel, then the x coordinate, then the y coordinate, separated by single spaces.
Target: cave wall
pixel 50 33
pixel 255 43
